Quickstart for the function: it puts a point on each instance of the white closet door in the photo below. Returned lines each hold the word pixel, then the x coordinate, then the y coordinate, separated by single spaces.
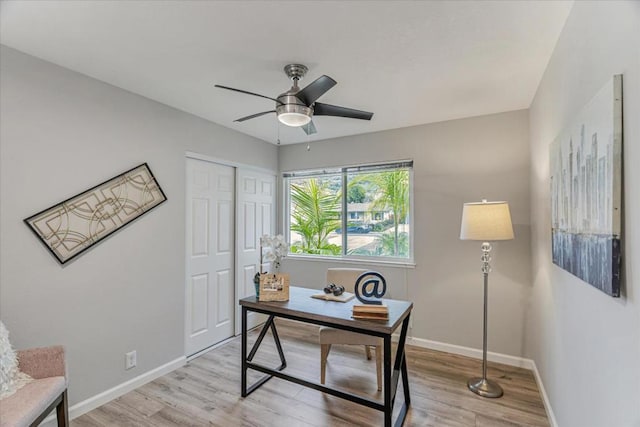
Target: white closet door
pixel 256 195
pixel 210 247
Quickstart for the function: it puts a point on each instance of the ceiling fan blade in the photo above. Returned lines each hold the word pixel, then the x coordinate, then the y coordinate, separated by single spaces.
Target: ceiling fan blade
pixel 309 128
pixel 248 93
pixel 315 90
pixel 320 109
pixel 253 116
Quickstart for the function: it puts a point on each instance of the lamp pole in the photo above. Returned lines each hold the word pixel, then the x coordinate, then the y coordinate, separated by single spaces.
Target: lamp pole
pixel 483 386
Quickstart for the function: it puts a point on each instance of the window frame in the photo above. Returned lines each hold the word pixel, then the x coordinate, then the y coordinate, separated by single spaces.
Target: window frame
pixel 344 216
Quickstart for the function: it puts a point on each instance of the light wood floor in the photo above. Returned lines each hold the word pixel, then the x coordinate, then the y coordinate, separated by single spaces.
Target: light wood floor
pixel 207 391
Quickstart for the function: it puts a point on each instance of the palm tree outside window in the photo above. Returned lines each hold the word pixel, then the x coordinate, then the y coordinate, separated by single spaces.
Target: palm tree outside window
pixel 353 212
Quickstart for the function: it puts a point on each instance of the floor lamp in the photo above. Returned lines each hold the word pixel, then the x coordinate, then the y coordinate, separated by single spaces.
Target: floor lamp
pixel 485 222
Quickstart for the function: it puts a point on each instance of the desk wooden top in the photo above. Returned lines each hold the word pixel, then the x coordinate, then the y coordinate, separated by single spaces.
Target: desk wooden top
pixel 301 305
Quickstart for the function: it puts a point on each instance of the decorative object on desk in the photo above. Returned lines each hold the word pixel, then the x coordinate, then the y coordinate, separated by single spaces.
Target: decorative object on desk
pixel 74 225
pixel 370 312
pixel 367 290
pixel 486 221
pixel 272 250
pixel 343 297
pixel 586 192
pixel 274 287
pixel 367 287
pixel 256 283
pixel 334 289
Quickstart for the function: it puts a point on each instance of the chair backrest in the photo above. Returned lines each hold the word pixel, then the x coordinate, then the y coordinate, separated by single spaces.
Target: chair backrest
pixel 344 277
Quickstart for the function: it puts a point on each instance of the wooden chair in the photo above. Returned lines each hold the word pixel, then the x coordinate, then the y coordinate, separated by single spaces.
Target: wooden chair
pixel 328 336
pixel 31 404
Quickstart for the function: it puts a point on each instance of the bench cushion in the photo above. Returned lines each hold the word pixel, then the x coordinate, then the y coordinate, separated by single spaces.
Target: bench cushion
pixel 23 407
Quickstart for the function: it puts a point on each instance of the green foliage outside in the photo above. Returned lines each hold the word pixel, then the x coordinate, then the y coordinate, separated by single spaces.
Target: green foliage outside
pixel 392 193
pixel 316 207
pixel 315 212
pixel 388 244
pixel 385 245
pixel 356 194
pixel 383 225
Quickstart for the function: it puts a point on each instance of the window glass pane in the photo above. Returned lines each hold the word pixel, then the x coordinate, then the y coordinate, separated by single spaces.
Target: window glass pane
pixel 378 205
pixel 314 215
pixel 370 215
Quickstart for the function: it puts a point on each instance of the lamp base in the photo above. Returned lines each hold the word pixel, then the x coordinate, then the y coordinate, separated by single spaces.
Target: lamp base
pixel 485 387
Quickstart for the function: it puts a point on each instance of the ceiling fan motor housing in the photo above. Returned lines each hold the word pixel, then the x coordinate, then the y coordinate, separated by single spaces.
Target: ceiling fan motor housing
pixel 291 111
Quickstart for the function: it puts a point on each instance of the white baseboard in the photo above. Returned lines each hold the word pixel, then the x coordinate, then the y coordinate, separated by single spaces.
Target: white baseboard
pixel 100 399
pixel 475 353
pixel 519 362
pixel 545 398
pixel 212 347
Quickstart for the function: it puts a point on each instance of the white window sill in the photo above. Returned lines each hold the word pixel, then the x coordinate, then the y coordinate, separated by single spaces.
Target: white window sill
pixel 347 260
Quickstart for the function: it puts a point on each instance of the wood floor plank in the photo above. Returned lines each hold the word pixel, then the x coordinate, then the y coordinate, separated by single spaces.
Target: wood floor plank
pixel 206 391
pixel 485 421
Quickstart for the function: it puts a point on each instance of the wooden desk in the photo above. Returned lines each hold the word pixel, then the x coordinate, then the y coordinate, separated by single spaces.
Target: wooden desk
pixel 303 308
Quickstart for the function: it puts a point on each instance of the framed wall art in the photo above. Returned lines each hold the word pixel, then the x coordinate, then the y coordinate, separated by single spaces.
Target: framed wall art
pixel 586 192
pixel 71 227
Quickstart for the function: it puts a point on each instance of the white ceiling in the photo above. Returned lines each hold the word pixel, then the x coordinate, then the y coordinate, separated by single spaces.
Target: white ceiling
pixel 409 62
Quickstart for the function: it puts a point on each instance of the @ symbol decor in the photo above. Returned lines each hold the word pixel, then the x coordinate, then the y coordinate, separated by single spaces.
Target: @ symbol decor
pixel 586 192
pixel 367 288
pixel 71 227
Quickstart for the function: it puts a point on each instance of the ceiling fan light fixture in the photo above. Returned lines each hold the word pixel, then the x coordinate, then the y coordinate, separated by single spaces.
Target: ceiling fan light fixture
pixel 294 115
pixel 294 119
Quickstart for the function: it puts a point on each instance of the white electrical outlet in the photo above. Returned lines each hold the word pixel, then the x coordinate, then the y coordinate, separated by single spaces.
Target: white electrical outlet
pixel 130 359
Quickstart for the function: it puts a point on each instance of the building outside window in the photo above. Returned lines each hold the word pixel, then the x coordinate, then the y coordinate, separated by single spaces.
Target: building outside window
pixel 351 212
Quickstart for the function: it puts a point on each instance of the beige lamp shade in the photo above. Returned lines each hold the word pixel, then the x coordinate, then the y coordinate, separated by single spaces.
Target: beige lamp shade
pixel 486 221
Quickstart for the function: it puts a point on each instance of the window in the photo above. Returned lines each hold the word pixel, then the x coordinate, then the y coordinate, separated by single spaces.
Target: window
pixel 354 212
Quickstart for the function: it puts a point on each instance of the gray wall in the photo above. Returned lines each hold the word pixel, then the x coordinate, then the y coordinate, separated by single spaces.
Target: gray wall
pixel 62 133
pixel 454 162
pixel 586 344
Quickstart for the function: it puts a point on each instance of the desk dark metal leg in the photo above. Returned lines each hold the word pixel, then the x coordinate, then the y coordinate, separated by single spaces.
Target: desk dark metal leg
pixel 405 382
pixel 263 332
pixel 269 324
pixel 246 360
pixel 400 367
pixel 244 353
pixel 388 405
pixel 276 338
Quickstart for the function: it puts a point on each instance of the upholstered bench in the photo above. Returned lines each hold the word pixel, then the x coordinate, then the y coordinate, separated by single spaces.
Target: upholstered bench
pixel 31 404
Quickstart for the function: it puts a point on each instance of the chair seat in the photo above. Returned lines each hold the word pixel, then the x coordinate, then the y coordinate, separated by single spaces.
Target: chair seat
pixel 24 406
pixel 338 336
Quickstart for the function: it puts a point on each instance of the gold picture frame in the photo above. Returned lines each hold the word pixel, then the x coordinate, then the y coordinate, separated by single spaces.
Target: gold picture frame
pixel 274 287
pixel 69 228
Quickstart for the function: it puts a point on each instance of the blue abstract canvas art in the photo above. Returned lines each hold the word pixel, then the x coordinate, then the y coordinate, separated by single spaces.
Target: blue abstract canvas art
pixel 586 192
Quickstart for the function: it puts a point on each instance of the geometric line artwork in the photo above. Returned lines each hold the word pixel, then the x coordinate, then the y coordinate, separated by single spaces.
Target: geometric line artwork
pixel 74 225
pixel 586 192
